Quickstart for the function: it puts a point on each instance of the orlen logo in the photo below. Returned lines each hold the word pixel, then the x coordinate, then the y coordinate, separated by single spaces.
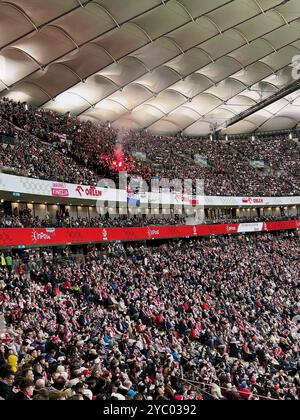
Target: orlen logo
pixel 43 236
pixel 253 200
pixel 153 232
pixel 90 191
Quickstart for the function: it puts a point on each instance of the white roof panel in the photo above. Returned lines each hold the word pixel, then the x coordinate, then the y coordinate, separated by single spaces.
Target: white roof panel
pixel 171 65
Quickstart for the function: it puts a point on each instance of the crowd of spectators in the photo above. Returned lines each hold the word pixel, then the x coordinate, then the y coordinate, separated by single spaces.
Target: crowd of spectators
pixel 25 219
pixel 201 319
pixel 280 154
pixel 248 219
pixel 81 152
pixel 225 167
pixel 86 144
pixel 30 157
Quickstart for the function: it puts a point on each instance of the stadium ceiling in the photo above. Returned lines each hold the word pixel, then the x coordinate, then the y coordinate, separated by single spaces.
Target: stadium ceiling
pixel 165 65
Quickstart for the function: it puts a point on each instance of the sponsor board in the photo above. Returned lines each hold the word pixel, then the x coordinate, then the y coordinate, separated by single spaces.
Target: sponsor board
pixel 153 232
pixel 59 189
pixel 88 191
pixel 250 227
pixel 16 237
pixel 253 201
pixel 42 235
pixel 37 187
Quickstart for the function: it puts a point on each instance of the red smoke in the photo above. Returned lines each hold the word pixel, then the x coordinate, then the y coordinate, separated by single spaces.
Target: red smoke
pixel 119 160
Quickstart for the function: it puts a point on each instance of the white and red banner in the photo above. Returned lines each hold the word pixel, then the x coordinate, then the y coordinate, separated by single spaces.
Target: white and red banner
pixel 61 236
pixel 40 188
pixel 250 227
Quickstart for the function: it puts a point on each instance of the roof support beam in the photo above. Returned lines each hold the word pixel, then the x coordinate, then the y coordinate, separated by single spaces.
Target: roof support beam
pixel 267 65
pixel 228 99
pixel 242 35
pixel 27 55
pixel 143 87
pixel 168 114
pixel 192 110
pixel 142 30
pixel 118 103
pixel 105 50
pixel 186 10
pixel 156 108
pixel 175 43
pixel 81 4
pixel 259 6
pixel 70 70
pixel 6 86
pixel 214 24
pixel 269 101
pixel 270 45
pixel 174 71
pixel 79 96
pixel 65 33
pixel 274 115
pixel 237 62
pixel 282 17
pixel 206 53
pixel 108 14
pixel 148 70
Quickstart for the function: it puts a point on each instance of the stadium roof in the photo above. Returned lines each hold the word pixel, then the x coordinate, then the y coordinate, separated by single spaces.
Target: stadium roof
pixel 165 65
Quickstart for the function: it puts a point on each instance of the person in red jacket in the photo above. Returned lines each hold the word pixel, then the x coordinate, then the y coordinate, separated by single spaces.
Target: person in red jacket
pixel 245 392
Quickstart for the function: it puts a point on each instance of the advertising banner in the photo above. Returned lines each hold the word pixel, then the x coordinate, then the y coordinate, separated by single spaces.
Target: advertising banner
pixel 37 187
pixel 60 236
